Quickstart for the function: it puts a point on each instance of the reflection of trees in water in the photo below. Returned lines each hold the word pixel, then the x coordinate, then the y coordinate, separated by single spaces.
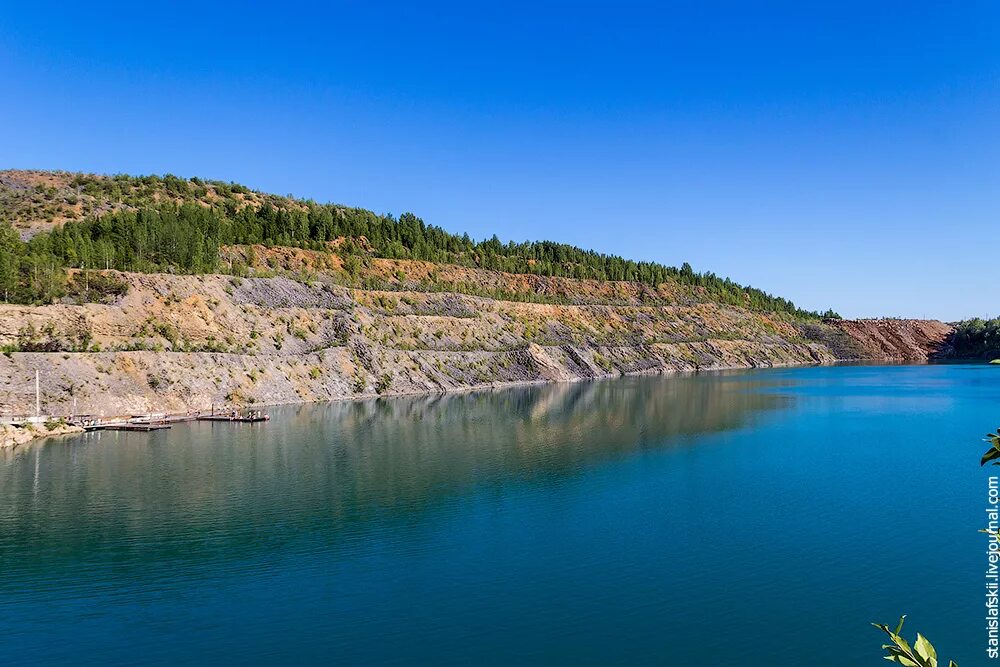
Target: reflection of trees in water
pixel 332 467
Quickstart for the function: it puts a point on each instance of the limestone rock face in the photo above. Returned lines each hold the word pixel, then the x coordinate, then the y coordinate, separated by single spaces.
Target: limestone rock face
pixel 179 342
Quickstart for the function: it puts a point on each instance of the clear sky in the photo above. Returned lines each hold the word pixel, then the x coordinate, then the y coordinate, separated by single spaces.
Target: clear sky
pixel 841 154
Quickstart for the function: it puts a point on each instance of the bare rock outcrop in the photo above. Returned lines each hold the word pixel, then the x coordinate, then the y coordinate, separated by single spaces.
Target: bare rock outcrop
pixel 11 436
pixel 895 339
pixel 177 343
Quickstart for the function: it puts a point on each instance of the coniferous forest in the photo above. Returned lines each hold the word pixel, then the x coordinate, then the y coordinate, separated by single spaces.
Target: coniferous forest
pixel 169 224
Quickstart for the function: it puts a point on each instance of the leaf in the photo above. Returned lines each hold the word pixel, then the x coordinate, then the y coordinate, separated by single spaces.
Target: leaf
pixel 924 648
pixel 991 453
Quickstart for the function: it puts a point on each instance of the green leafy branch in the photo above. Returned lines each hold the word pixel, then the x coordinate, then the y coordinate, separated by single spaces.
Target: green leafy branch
pixel 993 453
pixel 921 655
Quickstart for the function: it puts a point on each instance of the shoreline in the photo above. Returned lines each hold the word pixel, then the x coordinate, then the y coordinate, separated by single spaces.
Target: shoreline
pixel 12 437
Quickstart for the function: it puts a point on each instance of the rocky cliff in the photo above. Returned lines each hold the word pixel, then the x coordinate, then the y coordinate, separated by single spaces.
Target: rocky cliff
pixel 303 329
pixel 895 339
pixel 174 343
pixel 188 342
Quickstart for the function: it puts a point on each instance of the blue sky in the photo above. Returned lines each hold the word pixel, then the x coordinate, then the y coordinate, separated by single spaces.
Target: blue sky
pixel 841 154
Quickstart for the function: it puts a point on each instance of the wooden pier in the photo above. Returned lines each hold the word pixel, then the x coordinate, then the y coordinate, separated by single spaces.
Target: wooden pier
pixel 161 421
pixel 128 426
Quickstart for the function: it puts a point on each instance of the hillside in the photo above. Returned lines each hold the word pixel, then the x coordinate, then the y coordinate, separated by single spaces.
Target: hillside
pixel 33 201
pixel 898 340
pixel 152 224
pixel 341 302
pixel 149 342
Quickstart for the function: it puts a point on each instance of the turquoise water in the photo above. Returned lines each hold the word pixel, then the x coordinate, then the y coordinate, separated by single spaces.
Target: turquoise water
pixel 758 518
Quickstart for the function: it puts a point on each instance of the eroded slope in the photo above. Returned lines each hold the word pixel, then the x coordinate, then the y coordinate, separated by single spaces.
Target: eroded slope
pixel 187 342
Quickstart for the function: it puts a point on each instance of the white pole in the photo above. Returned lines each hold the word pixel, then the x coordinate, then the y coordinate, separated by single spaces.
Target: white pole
pixel 38 397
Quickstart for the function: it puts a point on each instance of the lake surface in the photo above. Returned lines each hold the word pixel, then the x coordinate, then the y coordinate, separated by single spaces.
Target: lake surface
pixel 754 518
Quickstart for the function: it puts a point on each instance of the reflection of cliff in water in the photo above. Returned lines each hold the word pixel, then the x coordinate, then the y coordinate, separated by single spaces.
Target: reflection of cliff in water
pixel 322 469
pixel 530 431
